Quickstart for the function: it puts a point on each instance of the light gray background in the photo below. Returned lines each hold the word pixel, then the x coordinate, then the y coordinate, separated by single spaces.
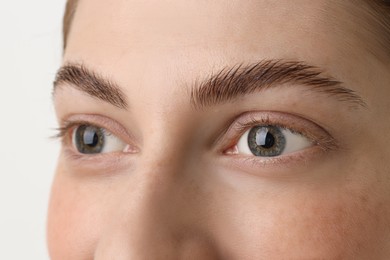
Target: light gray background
pixel 30 53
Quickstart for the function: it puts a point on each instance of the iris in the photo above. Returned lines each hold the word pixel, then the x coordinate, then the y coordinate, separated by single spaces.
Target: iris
pixel 89 139
pixel 266 141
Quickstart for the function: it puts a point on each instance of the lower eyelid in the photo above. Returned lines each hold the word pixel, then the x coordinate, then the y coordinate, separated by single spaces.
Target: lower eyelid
pixel 108 164
pixel 284 166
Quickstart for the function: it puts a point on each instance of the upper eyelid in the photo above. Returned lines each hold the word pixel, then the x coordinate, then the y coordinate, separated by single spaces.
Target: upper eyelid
pixel 103 122
pixel 293 123
pixel 67 126
pixel 236 127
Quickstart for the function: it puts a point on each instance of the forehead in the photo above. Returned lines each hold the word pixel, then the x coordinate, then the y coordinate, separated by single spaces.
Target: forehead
pixel 201 35
pixel 137 23
pixel 198 22
pixel 195 13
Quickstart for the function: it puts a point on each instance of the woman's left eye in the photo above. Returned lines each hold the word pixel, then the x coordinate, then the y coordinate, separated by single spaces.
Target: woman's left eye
pixel 271 141
pixel 89 139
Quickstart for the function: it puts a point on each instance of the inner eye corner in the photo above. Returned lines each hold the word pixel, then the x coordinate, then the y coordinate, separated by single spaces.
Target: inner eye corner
pixel 231 150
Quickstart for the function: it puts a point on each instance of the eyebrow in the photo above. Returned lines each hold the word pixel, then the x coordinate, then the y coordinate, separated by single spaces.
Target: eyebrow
pixel 92 83
pixel 240 80
pixel 224 86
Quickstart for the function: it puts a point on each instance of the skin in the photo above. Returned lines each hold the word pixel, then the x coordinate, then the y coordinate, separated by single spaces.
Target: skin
pixel 176 196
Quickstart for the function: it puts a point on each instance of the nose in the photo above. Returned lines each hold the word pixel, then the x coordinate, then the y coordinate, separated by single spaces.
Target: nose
pixel 158 215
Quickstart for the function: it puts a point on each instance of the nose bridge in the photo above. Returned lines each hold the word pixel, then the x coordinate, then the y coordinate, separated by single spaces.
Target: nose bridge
pixel 157 210
pixel 156 219
pixel 167 151
pixel 146 217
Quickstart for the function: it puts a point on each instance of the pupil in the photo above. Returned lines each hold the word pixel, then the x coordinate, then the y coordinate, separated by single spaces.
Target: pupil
pixel 264 138
pixel 269 141
pixel 91 138
pixel 266 141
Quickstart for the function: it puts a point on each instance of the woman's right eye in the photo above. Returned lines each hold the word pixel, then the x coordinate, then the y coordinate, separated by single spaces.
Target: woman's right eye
pixel 89 139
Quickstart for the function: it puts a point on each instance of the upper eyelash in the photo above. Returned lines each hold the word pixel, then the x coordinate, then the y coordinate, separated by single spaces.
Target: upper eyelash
pixel 239 127
pixel 63 131
pixel 242 127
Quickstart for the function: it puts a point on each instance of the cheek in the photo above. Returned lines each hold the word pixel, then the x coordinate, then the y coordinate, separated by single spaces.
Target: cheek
pixel 74 220
pixel 336 227
pixel 340 224
pixel 304 222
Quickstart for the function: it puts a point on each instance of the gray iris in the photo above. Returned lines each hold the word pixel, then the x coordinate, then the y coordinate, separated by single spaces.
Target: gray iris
pixel 266 141
pixel 89 139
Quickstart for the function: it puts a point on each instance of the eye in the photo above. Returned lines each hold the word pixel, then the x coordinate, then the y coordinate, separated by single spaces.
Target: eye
pixel 89 139
pixel 271 141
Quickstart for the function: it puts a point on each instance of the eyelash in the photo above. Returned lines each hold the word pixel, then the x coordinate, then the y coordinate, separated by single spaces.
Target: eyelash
pixel 231 135
pixel 64 131
pixel 108 126
pixel 252 119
